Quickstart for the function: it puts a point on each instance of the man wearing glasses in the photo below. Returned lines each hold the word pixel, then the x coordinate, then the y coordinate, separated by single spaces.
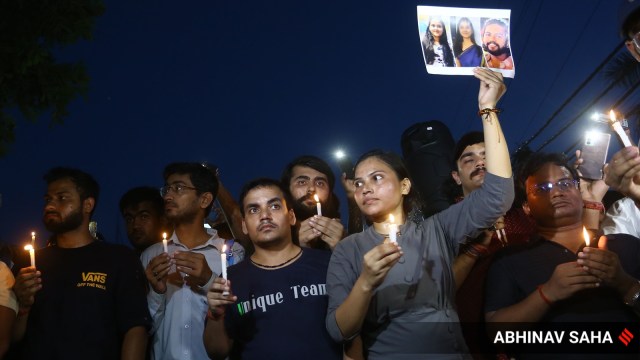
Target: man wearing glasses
pixel 179 278
pixel 555 278
pixel 143 211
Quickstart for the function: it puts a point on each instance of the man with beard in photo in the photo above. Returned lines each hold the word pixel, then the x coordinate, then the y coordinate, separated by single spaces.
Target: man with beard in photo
pixel 83 299
pixel 305 177
pixel 180 274
pixel 495 43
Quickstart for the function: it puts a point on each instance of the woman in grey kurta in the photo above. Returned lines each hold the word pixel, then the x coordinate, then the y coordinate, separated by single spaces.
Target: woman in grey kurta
pixel 400 297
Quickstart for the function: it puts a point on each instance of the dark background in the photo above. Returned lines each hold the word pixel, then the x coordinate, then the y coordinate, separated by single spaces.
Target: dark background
pixel 250 85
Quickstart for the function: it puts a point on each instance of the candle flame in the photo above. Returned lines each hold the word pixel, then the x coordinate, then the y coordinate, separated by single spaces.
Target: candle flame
pixel 316 198
pixel 587 237
pixel 392 219
pixel 164 236
pixel 612 116
pixel 224 248
pixel 28 247
pixel 33 233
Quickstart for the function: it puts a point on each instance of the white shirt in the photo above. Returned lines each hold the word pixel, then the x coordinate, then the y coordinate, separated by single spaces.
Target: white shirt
pixel 179 314
pixel 623 217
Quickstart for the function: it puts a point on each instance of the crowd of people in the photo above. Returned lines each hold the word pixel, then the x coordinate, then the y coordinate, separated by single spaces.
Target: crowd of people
pixel 283 278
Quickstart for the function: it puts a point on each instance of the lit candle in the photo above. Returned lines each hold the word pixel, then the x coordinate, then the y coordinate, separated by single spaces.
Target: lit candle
pixel 223 262
pixel 164 242
pixel 32 254
pixel 587 237
pixel 618 129
pixel 393 229
pixel 33 238
pixel 318 206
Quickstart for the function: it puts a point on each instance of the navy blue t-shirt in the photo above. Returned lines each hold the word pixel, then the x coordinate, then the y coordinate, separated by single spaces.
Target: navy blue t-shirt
pixel 280 313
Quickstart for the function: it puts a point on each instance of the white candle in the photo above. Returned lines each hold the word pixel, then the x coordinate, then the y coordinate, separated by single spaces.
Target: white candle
pixel 618 129
pixel 223 262
pixel 33 238
pixel 164 242
pixel 587 238
pixel 32 254
pixel 393 229
pixel 318 206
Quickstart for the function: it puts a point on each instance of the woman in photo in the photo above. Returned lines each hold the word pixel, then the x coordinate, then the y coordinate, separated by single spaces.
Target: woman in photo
pixel 399 297
pixel 468 53
pixel 435 45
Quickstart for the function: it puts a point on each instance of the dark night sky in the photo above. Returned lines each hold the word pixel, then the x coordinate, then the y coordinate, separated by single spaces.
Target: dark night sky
pixel 250 85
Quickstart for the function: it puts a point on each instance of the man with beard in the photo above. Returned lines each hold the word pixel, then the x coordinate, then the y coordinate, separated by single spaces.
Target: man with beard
pixel 276 302
pixel 143 211
pixel 495 43
pixel 305 177
pixel 180 277
pixel 85 298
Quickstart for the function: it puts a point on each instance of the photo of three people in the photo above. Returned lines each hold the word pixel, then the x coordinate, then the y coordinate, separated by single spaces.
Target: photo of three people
pixel 453 39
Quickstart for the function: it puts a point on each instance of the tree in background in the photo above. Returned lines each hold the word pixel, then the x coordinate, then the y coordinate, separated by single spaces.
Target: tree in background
pixel 32 81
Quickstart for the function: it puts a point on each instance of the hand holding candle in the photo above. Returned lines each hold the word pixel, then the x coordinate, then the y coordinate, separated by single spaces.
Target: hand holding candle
pixel 164 242
pixel 318 206
pixel 615 124
pixel 393 229
pixel 223 262
pixel 32 254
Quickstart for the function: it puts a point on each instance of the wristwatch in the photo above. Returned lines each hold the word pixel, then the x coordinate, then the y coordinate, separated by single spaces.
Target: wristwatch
pixel 634 299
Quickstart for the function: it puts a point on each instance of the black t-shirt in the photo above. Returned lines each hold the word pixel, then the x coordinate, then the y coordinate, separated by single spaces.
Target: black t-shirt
pixel 90 297
pixel 517 271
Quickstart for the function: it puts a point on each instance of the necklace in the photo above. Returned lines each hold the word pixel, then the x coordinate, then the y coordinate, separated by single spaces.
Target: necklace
pixel 279 265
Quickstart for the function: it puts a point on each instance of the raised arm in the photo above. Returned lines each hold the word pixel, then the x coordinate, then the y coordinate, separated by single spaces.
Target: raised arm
pixel 496 151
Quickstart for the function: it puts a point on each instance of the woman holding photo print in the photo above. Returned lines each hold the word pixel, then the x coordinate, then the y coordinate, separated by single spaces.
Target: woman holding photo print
pixel 435 44
pixel 468 53
pixel 399 297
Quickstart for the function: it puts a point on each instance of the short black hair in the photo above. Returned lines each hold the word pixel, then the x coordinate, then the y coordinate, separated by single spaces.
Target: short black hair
pixel 310 161
pixel 629 17
pixel 470 138
pixel 86 185
pixel 140 194
pixel 262 183
pixel 202 176
pixel 534 163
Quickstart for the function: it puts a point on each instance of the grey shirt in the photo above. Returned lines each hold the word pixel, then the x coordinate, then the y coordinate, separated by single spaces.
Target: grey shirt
pixel 412 312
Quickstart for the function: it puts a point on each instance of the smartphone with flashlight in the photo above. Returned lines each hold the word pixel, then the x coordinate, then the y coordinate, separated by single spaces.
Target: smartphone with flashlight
pixel 345 164
pixel 594 154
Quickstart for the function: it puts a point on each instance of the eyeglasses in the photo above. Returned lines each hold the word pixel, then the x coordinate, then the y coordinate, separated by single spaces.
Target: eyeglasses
pixel 546 187
pixel 176 189
pixel 636 40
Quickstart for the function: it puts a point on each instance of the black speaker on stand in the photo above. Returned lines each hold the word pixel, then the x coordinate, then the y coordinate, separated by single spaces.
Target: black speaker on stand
pixel 427 148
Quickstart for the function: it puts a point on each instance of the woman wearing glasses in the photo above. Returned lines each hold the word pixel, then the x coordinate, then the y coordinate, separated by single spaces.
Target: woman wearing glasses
pixel 399 297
